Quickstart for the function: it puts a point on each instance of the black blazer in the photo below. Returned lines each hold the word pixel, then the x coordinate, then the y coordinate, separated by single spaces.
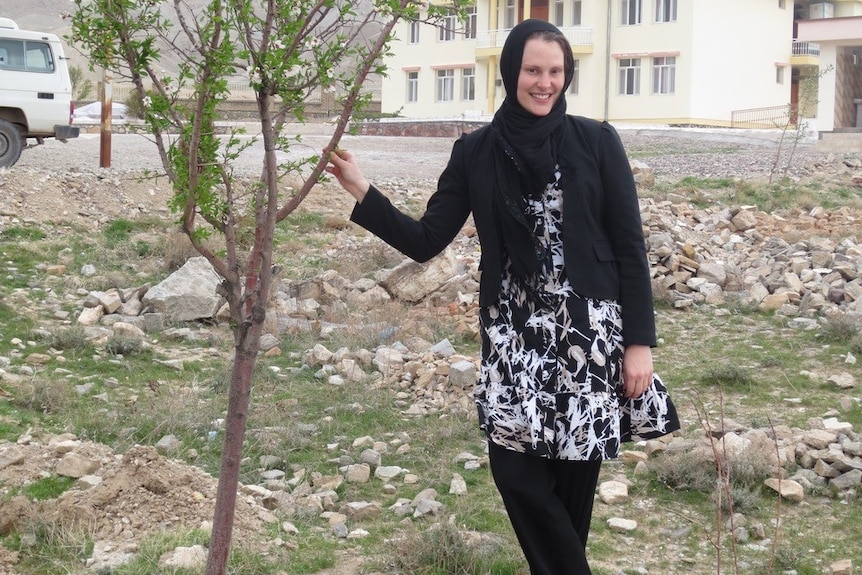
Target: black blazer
pixel 603 241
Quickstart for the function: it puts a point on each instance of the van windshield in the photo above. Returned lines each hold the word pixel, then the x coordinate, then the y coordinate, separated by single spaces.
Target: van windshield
pixel 25 55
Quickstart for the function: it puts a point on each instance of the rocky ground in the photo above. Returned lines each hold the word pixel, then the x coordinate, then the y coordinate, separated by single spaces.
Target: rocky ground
pixel 140 491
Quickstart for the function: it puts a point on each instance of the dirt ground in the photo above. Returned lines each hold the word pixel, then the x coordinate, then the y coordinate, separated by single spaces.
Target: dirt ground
pixel 141 491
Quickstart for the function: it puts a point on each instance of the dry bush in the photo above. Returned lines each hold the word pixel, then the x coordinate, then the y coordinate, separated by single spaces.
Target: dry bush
pixel 44 395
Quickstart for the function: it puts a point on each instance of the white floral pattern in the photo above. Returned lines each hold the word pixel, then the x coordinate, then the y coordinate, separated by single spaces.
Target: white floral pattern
pixel 550 383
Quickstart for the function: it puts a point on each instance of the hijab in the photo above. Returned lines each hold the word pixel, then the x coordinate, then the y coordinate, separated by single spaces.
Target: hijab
pixel 525 147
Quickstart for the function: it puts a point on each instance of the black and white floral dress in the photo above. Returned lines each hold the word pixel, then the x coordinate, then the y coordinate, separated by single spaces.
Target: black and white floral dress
pixel 551 378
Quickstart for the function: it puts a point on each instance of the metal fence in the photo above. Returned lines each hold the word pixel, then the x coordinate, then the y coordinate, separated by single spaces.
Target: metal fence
pixel 771 117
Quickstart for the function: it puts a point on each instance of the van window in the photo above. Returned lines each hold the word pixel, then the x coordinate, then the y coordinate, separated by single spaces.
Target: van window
pixel 26 55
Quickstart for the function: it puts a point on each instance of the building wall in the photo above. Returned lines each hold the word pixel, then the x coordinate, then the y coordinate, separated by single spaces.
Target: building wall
pixel 426 57
pixel 726 54
pixel 736 48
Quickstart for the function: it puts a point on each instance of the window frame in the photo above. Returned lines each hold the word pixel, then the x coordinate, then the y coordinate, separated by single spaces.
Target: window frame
pixel 415 27
pixel 470 25
pixel 575 86
pixel 444 87
pixel 629 77
pixel 468 84
pixel 22 49
pixel 665 11
pixel 412 86
pixel 631 12
pixel 577 13
pixel 448 27
pixel 510 9
pixel 559 12
pixel 664 75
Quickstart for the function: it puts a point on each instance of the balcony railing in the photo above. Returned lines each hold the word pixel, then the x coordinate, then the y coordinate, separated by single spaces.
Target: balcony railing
pixel 805 48
pixel 576 35
pixel 761 118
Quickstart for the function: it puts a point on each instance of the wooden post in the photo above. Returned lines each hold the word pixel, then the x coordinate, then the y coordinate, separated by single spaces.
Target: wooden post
pixel 106 126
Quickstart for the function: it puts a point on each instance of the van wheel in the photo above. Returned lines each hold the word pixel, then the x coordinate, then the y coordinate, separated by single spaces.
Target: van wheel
pixel 11 144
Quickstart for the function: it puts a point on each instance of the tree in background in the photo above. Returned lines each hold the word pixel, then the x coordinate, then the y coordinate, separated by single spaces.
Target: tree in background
pixel 82 87
pixel 285 50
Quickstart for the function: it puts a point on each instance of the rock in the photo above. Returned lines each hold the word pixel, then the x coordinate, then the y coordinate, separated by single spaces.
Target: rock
pixel 842 567
pixel 76 465
pixel 613 492
pixel 193 557
pixel 411 281
pixel 457 486
pixel 787 488
pixel 621 525
pixel 187 294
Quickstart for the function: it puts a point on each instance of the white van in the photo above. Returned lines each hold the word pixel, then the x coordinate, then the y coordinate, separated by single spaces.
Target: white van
pixel 35 91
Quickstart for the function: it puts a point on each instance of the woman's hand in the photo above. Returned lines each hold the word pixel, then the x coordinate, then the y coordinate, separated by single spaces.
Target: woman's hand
pixel 343 166
pixel 637 370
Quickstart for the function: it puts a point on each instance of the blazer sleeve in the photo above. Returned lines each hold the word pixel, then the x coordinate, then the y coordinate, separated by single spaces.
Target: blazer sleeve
pixel 625 230
pixel 445 213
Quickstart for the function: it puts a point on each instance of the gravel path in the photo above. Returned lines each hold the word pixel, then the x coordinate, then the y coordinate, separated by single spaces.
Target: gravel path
pixel 671 153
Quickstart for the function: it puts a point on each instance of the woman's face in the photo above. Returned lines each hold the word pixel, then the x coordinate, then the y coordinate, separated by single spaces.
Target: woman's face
pixel 542 76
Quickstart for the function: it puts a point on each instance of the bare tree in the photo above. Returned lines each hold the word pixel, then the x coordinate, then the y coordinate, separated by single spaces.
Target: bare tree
pixel 285 50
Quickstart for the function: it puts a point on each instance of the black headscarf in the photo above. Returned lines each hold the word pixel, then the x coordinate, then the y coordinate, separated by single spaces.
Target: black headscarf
pixel 525 148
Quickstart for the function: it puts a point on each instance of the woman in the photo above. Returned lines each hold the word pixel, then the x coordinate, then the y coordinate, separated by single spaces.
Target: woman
pixel 565 298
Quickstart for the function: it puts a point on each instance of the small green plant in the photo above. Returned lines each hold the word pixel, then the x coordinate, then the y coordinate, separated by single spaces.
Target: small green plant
pixel 728 376
pixel 118 230
pixel 840 329
pixel 124 345
pixel 443 549
pixel 82 87
pixel 70 338
pixel 49 547
pixel 49 487
pixel 21 234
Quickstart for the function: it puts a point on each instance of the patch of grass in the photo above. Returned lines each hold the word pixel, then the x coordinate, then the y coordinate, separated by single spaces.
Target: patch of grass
pixel 443 549
pixel 48 487
pixel 707 183
pixel 728 376
pixel 48 547
pixel 71 338
pixel 124 345
pixel 118 231
pixel 21 234
pixel 840 329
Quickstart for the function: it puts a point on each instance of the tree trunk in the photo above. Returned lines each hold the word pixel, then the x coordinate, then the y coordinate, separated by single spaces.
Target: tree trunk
pixel 239 397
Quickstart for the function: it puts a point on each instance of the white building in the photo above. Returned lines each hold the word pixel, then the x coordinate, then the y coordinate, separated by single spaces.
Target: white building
pixel 686 62
pixel 836 28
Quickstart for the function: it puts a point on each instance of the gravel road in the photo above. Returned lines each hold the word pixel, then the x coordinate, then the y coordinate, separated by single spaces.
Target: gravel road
pixel 671 153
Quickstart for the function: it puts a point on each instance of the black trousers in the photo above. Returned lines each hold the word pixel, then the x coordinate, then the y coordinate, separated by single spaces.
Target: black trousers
pixel 550 505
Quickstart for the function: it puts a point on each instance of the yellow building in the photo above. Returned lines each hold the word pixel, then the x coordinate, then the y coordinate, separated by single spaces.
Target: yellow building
pixel 680 62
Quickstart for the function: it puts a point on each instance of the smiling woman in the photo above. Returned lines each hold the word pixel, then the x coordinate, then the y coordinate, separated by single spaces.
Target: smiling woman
pixel 565 297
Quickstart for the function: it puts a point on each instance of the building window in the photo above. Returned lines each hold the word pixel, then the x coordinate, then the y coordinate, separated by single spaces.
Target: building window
pixel 781 4
pixel 576 13
pixel 470 30
pixel 664 75
pixel 630 11
pixel 468 84
pixel 665 10
pixel 575 86
pixel 630 76
pixel 414 32
pixel 448 27
pixel 779 74
pixel 445 85
pixel 559 6
pixel 509 14
pixel 412 86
